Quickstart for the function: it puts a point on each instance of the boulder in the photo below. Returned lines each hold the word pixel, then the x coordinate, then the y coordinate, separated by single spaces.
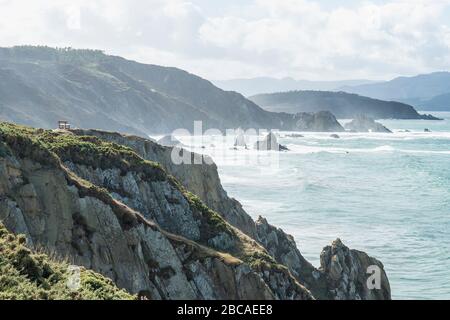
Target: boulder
pixel 335 136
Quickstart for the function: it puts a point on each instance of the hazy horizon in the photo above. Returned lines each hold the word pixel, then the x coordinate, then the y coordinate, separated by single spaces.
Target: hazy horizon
pixel 335 80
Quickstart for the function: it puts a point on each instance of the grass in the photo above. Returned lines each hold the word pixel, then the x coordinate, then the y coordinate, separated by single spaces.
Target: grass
pixel 92 151
pixel 26 275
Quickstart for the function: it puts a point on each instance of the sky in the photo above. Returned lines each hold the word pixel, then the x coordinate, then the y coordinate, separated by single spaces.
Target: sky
pixel 225 39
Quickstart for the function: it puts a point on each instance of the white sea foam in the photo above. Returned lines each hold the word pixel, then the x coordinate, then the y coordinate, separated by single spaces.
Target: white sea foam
pixel 396 135
pixel 222 149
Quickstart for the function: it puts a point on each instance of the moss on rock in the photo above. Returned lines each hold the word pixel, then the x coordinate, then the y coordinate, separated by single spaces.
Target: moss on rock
pixel 26 275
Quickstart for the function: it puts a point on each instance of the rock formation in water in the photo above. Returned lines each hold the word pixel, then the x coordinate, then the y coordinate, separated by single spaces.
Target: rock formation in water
pixel 347 273
pixel 323 121
pixel 366 124
pixel 101 200
pixel 241 140
pixel 270 142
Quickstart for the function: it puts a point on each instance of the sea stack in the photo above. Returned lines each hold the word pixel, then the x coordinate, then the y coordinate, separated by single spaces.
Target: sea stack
pixel 322 121
pixel 270 142
pixel 241 140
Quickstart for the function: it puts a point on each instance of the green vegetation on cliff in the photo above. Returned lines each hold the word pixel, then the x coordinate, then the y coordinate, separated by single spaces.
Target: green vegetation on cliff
pixel 54 147
pixel 27 275
pixel 97 153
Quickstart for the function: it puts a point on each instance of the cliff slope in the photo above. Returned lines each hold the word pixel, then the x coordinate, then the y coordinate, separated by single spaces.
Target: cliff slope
pixel 105 205
pixel 58 210
pixel 203 180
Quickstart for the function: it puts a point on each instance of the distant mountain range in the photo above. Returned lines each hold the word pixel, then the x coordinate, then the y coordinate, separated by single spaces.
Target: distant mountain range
pixel 253 86
pixel 342 105
pixel 425 92
pixel 41 85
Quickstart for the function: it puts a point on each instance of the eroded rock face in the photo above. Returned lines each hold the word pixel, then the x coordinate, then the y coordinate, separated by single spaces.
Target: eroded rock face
pixel 56 214
pixel 283 248
pixel 155 200
pixel 203 180
pixel 343 272
pixel 347 274
pixel 58 210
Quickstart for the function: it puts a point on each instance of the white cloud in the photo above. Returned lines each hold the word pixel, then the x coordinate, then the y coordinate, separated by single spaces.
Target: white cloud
pixel 299 38
pixel 306 40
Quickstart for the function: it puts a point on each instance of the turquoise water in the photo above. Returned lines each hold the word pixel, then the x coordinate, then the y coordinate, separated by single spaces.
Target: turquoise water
pixel 386 194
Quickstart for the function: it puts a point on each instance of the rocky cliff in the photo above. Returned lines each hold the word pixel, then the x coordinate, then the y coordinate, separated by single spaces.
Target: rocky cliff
pixel 98 199
pixel 203 180
pixel 346 271
pixel 60 211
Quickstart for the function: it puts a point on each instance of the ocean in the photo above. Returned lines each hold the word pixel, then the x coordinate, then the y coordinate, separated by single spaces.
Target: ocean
pixel 385 194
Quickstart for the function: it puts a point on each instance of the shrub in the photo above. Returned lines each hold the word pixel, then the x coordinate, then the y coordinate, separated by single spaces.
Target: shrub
pixel 26 275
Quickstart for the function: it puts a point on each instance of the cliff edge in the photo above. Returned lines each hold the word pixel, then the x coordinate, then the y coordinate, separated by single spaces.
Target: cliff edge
pixel 117 205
